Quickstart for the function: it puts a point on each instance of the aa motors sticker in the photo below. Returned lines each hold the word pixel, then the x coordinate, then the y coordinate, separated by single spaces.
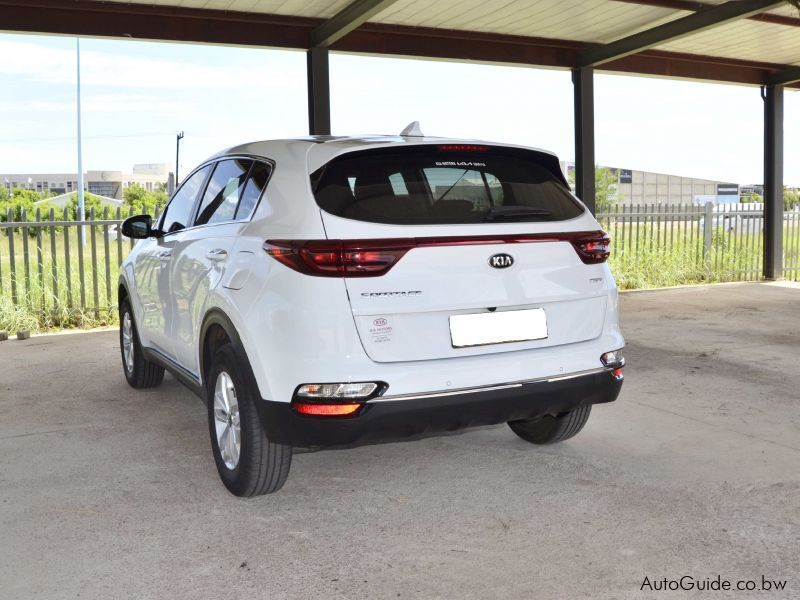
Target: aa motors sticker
pixel 380 330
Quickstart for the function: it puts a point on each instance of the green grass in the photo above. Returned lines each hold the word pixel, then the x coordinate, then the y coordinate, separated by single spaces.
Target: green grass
pixel 38 307
pixel 647 257
pixel 661 256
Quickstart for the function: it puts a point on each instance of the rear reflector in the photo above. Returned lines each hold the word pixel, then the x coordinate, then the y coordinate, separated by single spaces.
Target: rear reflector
pixel 374 257
pixel 326 410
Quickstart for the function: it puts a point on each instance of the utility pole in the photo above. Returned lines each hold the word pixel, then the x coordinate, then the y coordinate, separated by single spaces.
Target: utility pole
pixel 81 212
pixel 178 139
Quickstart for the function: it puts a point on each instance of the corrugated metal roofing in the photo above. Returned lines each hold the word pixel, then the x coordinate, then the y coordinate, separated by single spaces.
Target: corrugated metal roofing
pixel 586 20
pixel 745 39
pixel 769 41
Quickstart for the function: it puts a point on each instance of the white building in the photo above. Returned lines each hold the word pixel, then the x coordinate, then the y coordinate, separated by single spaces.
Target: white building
pixel 646 187
pixel 102 183
pixel 643 187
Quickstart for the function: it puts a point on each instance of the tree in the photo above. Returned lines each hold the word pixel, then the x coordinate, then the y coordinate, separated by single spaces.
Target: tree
pixel 90 201
pixel 605 187
pixel 605 184
pixel 137 198
pixel 17 200
pixel 791 198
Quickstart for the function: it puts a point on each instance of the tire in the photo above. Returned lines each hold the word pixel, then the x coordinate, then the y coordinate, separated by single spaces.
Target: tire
pixel 140 372
pixel 261 466
pixel 549 429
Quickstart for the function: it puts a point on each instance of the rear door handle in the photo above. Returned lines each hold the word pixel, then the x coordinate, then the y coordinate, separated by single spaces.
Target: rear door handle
pixel 217 254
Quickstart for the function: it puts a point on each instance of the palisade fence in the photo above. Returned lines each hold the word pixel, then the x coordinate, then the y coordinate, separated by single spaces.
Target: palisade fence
pixel 660 245
pixel 51 276
pixel 56 272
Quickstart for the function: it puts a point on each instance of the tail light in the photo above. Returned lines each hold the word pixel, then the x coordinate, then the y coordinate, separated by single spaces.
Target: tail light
pixel 615 361
pixel 461 148
pixel 335 399
pixel 374 257
pixel 594 249
pixel 340 391
pixel 339 258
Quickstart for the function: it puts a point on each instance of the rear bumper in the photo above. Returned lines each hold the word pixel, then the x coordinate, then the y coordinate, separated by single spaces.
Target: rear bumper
pixel 402 417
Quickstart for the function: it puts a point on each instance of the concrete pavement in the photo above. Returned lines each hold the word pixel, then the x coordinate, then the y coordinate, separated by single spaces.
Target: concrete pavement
pixel 109 492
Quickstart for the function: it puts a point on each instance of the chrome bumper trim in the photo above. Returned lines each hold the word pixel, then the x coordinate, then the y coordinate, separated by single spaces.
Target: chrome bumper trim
pixel 488 388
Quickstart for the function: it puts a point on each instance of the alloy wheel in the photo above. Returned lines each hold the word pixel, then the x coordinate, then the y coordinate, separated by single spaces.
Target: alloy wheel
pixel 127 341
pixel 226 420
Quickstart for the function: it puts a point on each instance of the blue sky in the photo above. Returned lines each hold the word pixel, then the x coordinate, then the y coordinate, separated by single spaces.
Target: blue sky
pixel 137 95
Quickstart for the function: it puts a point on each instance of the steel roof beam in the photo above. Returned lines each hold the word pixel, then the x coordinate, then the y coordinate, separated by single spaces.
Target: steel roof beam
pixel 346 20
pixel 199 25
pixel 693 6
pixel 667 32
pixel 791 75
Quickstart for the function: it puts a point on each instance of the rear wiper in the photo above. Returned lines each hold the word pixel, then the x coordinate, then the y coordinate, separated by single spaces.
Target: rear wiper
pixel 509 213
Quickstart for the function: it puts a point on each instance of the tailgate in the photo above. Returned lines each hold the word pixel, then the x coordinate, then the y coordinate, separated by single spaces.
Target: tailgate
pixel 405 315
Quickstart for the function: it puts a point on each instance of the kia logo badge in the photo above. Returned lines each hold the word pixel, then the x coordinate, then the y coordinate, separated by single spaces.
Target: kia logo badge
pixel 501 261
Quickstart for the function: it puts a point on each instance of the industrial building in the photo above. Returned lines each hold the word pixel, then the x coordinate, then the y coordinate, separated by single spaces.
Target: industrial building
pixel 643 187
pixel 648 187
pixel 151 176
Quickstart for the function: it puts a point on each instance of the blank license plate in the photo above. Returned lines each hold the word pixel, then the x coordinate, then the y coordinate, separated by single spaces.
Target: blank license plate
pixel 498 327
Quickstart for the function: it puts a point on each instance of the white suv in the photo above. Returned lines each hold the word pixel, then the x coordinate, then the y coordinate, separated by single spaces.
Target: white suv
pixel 330 290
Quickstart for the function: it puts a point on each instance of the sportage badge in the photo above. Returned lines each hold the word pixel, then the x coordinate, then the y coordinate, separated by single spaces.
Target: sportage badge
pixel 501 261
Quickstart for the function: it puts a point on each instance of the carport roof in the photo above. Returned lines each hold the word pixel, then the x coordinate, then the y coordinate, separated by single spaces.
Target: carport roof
pixel 750 48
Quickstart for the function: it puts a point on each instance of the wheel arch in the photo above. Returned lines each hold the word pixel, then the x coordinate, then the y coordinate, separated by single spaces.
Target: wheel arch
pixel 122 292
pixel 216 330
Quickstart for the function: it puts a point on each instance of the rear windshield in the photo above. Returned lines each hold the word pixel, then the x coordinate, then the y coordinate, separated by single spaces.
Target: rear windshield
pixel 446 184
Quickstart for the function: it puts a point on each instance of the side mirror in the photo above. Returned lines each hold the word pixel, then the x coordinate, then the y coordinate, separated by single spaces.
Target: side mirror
pixel 138 227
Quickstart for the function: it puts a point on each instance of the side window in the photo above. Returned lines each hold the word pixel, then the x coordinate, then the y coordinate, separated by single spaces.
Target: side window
pixel 223 192
pixel 253 190
pixel 398 184
pixel 495 189
pixel 178 213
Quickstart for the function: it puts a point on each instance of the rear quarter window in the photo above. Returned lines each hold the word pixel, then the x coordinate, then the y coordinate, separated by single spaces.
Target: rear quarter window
pixel 426 185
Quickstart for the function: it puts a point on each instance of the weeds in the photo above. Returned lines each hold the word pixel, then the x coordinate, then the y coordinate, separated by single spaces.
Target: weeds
pixel 643 256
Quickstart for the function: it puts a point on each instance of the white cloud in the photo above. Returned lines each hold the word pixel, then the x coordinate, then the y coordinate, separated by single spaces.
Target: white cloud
pixel 12 153
pixel 102 103
pixel 222 96
pixel 36 63
pixel 35 106
pixel 126 103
